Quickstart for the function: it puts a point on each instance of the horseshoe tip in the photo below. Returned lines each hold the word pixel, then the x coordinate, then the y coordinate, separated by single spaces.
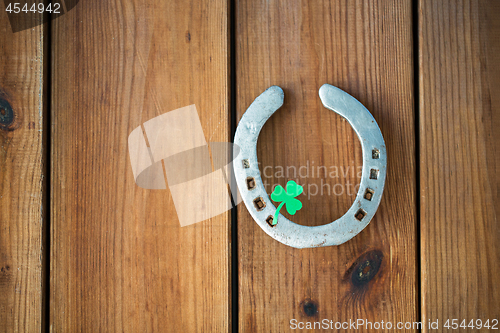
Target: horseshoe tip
pixel 324 91
pixel 277 92
pixel 276 89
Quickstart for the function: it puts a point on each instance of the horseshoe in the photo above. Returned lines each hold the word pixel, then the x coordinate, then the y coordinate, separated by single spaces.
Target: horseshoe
pixel 253 193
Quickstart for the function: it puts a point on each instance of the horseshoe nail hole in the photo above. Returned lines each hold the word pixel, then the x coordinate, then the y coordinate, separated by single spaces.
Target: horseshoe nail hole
pixel 373 174
pixel 250 183
pixel 375 154
pixel 269 220
pixel 360 214
pixel 246 164
pixel 259 203
pixel 369 194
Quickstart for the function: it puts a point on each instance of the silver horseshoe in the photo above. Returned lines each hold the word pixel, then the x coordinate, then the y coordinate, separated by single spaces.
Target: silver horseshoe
pixel 258 203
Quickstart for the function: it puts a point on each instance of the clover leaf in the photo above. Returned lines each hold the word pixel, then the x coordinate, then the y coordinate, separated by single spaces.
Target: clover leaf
pixel 287 198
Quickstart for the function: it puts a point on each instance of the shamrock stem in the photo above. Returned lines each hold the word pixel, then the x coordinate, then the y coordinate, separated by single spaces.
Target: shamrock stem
pixel 275 220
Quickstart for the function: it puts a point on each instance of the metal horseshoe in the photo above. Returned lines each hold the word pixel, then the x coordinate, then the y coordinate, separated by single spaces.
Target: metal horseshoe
pixel 258 203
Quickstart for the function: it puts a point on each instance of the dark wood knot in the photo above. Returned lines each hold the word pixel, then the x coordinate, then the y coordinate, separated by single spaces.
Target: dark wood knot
pixel 7 116
pixel 364 269
pixel 309 307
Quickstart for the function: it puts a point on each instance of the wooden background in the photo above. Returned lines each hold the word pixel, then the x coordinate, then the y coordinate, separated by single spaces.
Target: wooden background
pixel 83 249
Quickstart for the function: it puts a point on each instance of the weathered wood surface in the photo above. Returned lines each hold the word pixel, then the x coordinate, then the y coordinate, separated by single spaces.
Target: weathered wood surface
pixel 120 260
pixel 22 174
pixel 366 49
pixel 459 159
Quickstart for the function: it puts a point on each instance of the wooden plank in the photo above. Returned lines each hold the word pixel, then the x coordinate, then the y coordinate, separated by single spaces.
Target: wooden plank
pixel 365 48
pixel 22 172
pixel 459 156
pixel 120 260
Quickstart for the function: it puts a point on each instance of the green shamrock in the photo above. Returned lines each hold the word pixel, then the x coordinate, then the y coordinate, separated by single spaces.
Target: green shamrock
pixel 287 197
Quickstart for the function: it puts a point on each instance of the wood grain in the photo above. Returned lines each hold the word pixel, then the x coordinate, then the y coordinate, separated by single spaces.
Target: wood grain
pixel 459 157
pixel 120 260
pixel 365 48
pixel 22 174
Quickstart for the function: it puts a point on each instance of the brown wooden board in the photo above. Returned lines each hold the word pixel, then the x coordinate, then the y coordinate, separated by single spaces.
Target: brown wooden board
pixel 120 260
pixel 459 160
pixel 22 173
pixel 364 48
